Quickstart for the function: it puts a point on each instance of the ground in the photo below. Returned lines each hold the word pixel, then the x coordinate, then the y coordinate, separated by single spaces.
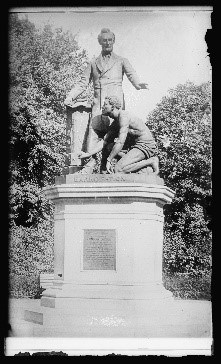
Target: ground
pixel 195 315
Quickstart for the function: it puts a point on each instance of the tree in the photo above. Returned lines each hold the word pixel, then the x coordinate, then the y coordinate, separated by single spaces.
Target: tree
pixel 44 65
pixel 181 124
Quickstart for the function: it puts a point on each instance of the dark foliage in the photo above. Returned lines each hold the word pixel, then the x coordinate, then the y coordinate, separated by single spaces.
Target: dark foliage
pixel 181 124
pixel 43 66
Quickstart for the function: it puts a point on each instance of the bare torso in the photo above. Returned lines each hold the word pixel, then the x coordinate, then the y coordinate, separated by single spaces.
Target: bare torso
pixel 136 126
pixel 138 129
pixel 132 141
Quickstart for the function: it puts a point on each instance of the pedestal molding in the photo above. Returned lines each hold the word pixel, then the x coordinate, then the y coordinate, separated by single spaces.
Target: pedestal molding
pixel 160 193
pixel 110 215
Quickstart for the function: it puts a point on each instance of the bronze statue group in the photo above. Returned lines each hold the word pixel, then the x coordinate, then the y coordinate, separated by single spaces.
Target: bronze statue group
pixel 123 138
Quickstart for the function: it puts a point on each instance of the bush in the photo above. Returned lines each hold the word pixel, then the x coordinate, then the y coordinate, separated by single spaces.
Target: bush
pixel 187 286
pixel 24 286
pixel 188 244
pixel 181 124
pixel 30 253
pixel 31 249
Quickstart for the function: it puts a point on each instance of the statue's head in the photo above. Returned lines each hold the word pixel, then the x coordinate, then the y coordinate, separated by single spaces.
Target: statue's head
pixel 110 103
pixel 106 39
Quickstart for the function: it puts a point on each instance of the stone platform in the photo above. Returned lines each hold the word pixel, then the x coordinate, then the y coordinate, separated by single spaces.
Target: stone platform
pixel 108 246
pixel 190 319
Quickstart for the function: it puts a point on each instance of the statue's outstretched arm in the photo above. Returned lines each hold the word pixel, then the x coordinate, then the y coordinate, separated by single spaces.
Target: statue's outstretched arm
pixel 132 76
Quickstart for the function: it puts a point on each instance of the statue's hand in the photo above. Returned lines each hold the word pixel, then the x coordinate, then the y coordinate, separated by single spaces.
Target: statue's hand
pixel 143 85
pixel 69 100
pixel 83 155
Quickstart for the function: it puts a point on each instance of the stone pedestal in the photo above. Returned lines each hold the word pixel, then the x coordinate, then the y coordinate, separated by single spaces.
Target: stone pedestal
pixel 108 241
pixel 78 118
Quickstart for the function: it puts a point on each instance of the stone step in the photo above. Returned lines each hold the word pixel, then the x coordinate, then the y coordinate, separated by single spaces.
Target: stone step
pixel 152 331
pixel 46 280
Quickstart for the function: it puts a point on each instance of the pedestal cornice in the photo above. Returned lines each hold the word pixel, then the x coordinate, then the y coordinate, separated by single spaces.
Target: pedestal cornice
pixel 99 190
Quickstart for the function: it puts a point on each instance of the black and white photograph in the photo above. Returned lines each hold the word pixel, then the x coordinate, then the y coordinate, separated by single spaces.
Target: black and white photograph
pixel 110 163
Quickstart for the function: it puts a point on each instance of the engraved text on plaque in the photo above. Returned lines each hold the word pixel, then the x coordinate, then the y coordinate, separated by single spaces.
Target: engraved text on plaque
pixel 99 249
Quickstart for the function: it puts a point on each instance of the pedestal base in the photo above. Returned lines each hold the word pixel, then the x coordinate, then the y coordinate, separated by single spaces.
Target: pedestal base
pixel 71 169
pixel 122 318
pixel 108 257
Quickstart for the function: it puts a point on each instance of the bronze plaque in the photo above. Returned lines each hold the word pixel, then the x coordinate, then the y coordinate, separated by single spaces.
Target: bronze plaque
pixel 99 249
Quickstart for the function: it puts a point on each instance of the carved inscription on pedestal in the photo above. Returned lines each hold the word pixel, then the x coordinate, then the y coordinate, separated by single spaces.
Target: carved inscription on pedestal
pixel 99 249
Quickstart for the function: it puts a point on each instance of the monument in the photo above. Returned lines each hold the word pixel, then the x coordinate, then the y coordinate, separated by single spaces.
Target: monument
pixel 108 232
pixel 108 242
